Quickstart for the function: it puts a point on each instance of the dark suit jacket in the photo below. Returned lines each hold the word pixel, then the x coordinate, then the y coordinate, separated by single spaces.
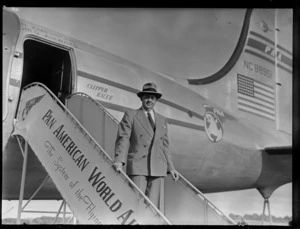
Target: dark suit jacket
pixel 146 153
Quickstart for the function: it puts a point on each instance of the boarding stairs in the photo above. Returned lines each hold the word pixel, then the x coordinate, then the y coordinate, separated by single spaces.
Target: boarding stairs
pixel 75 144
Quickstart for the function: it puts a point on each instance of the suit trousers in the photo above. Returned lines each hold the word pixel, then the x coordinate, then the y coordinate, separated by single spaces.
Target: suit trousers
pixel 150 186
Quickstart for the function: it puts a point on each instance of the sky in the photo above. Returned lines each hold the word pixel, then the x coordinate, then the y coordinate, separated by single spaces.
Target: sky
pixel 188 43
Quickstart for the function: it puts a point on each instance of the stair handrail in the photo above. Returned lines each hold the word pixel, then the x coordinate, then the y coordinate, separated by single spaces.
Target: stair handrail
pixel 98 104
pixel 206 199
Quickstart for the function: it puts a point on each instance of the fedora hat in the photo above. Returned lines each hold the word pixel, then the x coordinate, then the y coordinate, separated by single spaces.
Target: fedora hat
pixel 149 88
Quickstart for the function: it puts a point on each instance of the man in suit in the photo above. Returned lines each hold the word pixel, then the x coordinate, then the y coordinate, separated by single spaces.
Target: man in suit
pixel 142 142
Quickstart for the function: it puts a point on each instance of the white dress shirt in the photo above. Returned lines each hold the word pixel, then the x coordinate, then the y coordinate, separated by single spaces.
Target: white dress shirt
pixel 151 113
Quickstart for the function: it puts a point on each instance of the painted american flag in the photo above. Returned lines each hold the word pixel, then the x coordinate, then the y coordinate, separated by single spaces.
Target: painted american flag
pixel 255 97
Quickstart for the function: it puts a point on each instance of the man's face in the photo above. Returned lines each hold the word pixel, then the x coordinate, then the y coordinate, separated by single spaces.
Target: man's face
pixel 148 101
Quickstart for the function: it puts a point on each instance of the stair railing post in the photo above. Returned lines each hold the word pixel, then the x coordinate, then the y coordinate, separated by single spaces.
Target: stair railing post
pixel 64 214
pixel 24 170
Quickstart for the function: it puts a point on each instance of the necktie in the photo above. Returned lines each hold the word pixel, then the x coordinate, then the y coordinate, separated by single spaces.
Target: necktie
pixel 151 120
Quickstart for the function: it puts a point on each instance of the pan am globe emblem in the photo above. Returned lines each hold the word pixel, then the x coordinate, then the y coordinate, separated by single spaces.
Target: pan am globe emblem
pixel 213 126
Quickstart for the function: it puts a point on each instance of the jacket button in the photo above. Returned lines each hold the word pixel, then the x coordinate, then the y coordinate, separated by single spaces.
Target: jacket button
pixel 145 145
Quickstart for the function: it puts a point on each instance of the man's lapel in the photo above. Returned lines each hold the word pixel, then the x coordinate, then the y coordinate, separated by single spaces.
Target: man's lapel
pixel 140 115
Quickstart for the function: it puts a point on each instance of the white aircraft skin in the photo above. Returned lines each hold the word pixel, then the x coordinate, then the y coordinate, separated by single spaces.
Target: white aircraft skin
pixel 215 143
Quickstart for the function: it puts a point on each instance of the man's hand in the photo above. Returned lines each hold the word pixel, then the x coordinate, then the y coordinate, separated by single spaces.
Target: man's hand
pixel 117 166
pixel 174 174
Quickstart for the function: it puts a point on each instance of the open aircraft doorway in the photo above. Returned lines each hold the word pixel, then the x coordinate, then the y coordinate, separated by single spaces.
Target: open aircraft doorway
pixel 49 65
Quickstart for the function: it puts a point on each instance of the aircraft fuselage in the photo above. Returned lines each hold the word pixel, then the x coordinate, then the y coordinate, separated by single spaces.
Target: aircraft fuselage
pixel 211 146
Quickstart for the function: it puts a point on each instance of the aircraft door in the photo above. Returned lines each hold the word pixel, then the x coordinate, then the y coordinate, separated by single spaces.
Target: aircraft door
pixel 10 33
pixel 57 76
pixel 61 77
